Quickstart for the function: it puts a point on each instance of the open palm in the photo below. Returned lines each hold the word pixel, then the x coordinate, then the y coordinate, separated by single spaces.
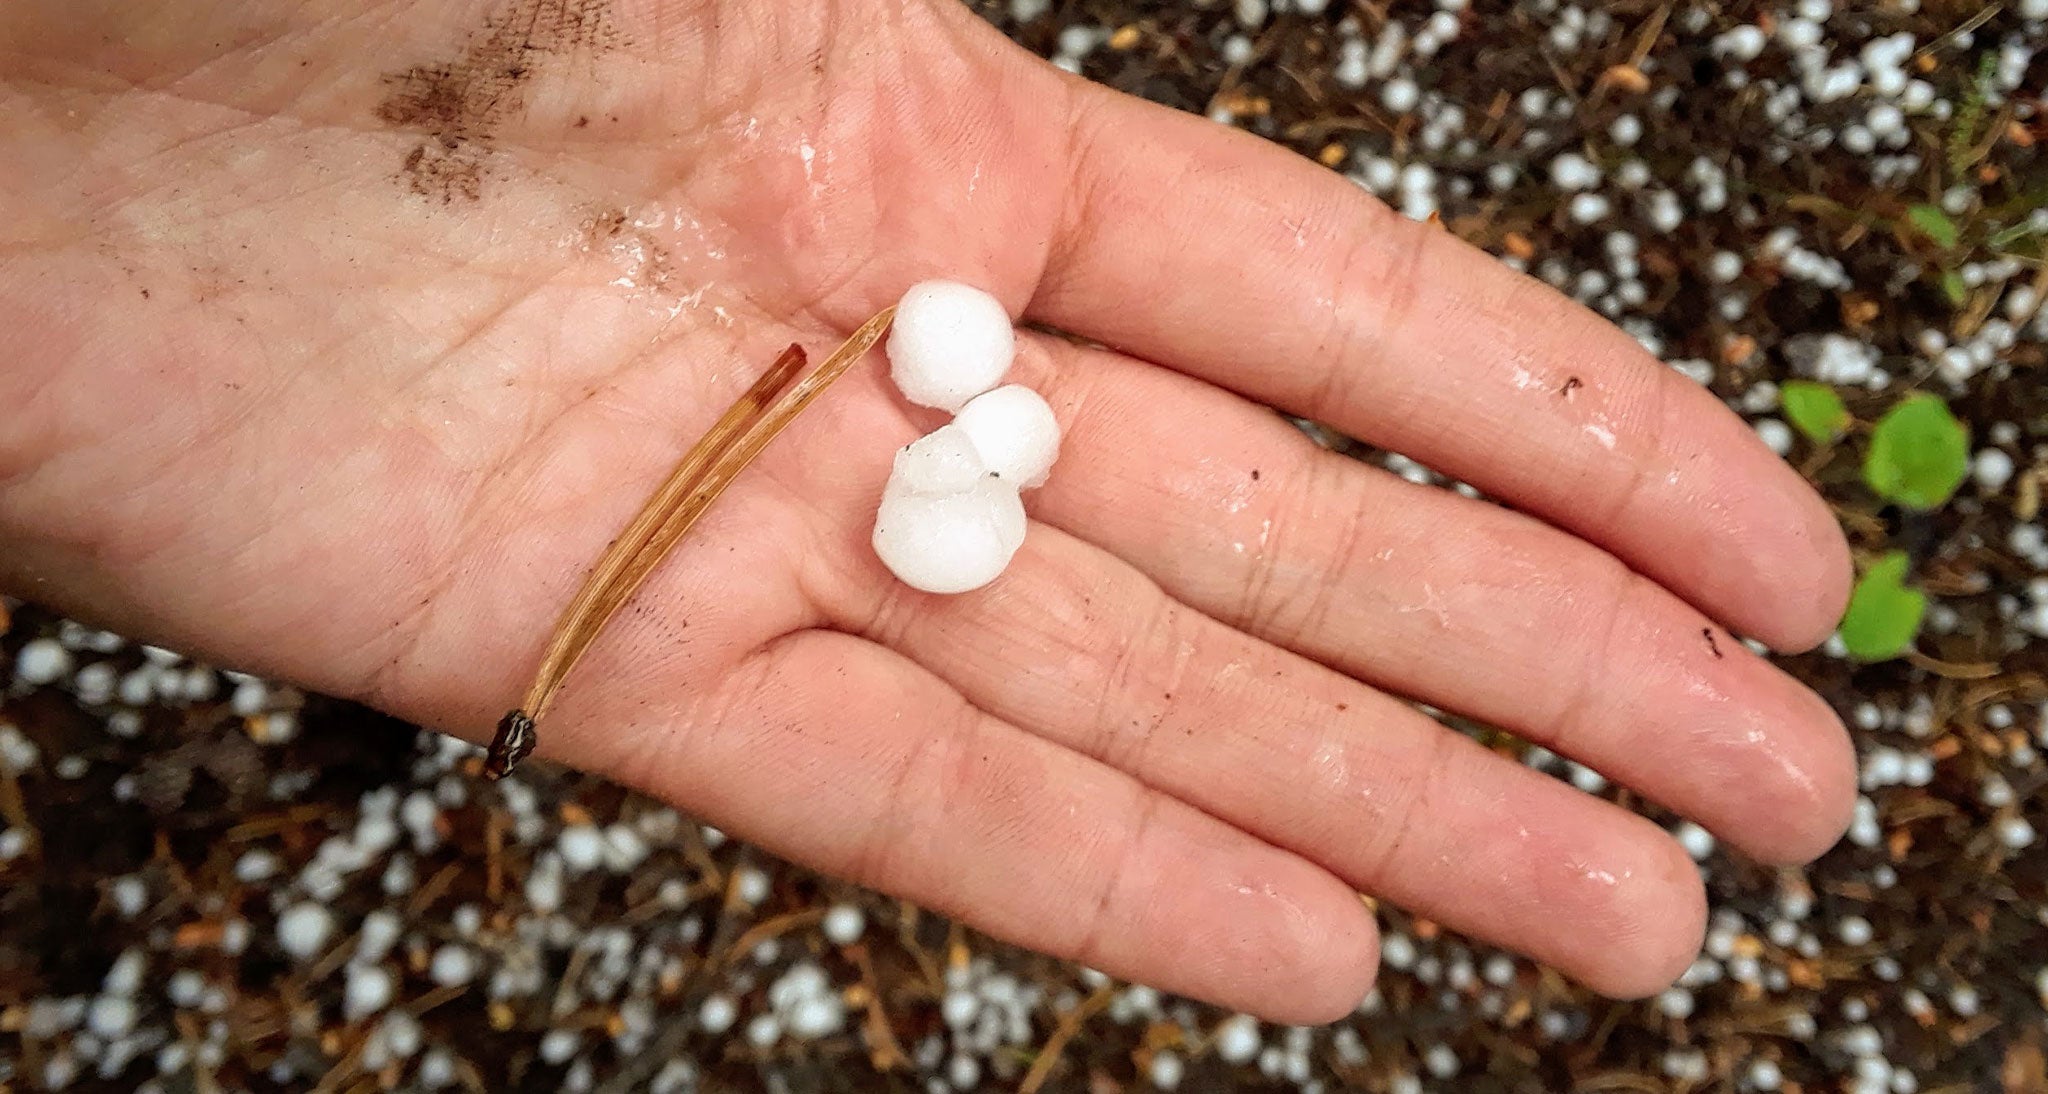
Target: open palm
pixel 342 339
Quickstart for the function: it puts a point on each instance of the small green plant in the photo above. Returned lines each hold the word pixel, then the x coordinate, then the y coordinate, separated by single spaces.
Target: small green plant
pixel 1918 454
pixel 1815 410
pixel 1953 288
pixel 1962 136
pixel 1884 615
pixel 1931 222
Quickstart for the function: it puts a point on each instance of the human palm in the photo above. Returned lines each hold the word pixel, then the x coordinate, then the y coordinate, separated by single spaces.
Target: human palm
pixel 343 340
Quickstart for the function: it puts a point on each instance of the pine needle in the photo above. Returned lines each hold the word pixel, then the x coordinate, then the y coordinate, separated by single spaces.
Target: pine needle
pixel 733 442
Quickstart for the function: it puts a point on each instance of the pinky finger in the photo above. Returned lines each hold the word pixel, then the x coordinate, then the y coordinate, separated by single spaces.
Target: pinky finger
pixel 887 777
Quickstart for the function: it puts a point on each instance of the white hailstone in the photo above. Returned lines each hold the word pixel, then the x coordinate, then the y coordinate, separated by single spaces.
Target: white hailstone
pixel 544 883
pixel 800 982
pixel 111 1016
pixel 137 688
pixel 950 543
pixel 1883 767
pixel 751 885
pixel 452 965
pixel 2019 304
pixel 1992 468
pixel 42 661
pixel 764 1031
pixel 303 929
pixel 250 697
pixel 1400 95
pixel 1013 430
pixel 1397 951
pixel 1776 435
pixel 963 1071
pixel 959 1008
pixel 94 684
pixel 1664 211
pixel 1166 1070
pixel 401 1033
pixel 1572 171
pixel 557 1046
pixel 367 990
pixel 944 461
pixel 1441 1061
pixel 17 753
pixel 949 343
pixel 1586 779
pixel 1697 841
pixel 1590 208
pixel 1237 1038
pixel 1853 930
pixel 1685 1065
pixel 1995 792
pixel 1919 769
pixel 185 989
pixel 1377 175
pixel 379 932
pixel 581 847
pixel 843 924
pixel 717 1013
pixel 1353 68
pixel 624 848
pixel 1740 44
pixel 815 1016
pixel 2015 833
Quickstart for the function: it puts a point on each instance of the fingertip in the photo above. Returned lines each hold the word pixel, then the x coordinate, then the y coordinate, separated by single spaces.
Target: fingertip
pixel 1333 960
pixel 1816 794
pixel 1652 923
pixel 1822 585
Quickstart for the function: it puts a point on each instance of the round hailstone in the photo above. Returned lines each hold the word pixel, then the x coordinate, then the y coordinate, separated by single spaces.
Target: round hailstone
pixel 844 924
pixel 366 991
pixel 949 343
pixel 1015 432
pixel 303 929
pixel 949 543
pixel 944 461
pixel 44 660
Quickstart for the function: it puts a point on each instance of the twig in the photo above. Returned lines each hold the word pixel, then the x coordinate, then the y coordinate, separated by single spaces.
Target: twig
pixel 1070 1024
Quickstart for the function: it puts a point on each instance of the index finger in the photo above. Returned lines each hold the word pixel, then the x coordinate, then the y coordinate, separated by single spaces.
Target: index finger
pixel 1234 260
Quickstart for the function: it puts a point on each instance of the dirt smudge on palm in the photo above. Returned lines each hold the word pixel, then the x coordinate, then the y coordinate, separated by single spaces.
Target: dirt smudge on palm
pixel 459 106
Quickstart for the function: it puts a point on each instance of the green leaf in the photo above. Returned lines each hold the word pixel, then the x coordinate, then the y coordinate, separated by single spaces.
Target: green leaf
pixel 1918 454
pixel 1815 409
pixel 1952 286
pixel 1883 614
pixel 1934 224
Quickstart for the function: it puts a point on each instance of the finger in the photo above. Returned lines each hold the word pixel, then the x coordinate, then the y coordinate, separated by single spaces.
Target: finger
pixel 836 753
pixel 1459 603
pixel 1080 648
pixel 1292 286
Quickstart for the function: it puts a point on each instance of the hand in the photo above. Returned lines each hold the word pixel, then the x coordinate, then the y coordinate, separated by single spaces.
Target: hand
pixel 344 338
